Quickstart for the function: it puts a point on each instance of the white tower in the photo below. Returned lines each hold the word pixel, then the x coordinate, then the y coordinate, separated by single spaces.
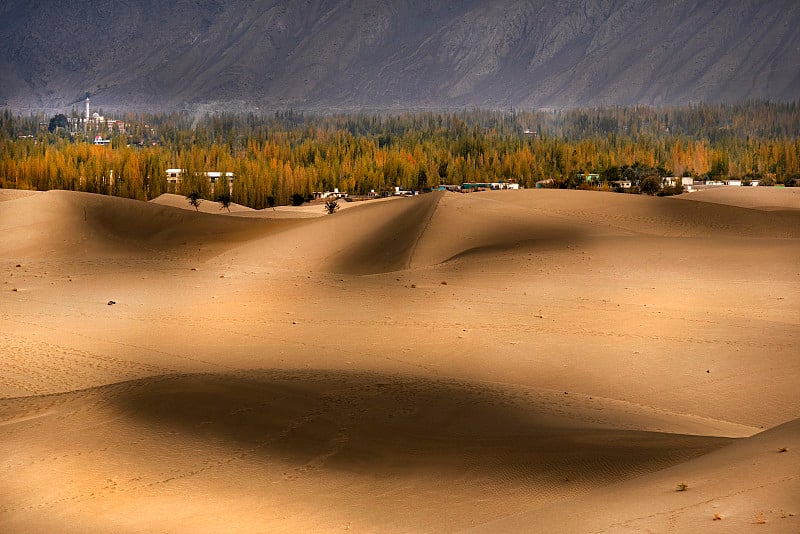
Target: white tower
pixel 87 108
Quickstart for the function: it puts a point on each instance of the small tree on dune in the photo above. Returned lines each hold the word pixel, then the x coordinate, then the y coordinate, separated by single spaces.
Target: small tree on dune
pixel 194 199
pixel 331 206
pixel 225 201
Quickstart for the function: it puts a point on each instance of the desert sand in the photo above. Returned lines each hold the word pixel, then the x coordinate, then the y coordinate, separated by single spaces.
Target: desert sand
pixel 515 361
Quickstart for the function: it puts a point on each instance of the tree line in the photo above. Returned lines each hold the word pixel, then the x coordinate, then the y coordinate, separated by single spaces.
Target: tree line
pixel 291 153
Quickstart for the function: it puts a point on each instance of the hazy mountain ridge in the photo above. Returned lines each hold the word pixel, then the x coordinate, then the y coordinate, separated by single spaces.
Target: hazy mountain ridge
pixel 398 54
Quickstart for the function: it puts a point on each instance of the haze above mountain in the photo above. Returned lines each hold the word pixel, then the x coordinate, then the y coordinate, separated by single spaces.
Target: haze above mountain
pixel 396 54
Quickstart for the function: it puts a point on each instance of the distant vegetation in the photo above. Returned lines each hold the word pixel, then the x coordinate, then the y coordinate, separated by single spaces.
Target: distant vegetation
pixel 286 154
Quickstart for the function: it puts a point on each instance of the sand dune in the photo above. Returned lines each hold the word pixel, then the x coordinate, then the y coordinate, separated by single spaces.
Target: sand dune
pixel 760 198
pixel 747 486
pixel 541 361
pixel 375 451
pixel 70 223
pixel 13 194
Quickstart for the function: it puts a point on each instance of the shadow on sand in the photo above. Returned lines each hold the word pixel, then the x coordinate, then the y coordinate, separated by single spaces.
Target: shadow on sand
pixel 376 424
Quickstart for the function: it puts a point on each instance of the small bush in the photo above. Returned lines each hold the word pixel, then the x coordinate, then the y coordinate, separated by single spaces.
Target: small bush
pixel 298 199
pixel 194 199
pixel 331 206
pixel 682 487
pixel 676 189
pixel 224 201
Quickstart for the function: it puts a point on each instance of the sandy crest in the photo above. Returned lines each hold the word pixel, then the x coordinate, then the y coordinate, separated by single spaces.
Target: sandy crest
pixel 308 210
pixel 427 364
pixel 67 223
pixel 760 198
pixel 748 486
pixel 206 206
pixel 13 194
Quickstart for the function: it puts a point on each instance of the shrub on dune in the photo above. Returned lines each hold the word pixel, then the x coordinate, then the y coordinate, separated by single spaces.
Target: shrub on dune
pixel 331 206
pixel 194 199
pixel 224 201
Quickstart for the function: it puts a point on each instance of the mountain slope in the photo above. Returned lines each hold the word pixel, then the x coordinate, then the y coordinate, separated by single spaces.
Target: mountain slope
pixel 376 54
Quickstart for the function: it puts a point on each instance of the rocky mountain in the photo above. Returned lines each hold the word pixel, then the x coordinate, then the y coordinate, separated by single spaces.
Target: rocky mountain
pixel 395 54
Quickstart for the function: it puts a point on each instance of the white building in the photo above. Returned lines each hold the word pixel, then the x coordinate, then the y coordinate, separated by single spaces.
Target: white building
pixel 174 179
pixel 215 176
pixel 483 186
pixel 330 194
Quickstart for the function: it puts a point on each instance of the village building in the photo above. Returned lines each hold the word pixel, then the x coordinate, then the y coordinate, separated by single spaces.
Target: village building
pixel 175 177
pixel 94 122
pixel 330 194
pixel 588 177
pixel 468 187
pixel 398 192
pixel 621 184
pixel 447 187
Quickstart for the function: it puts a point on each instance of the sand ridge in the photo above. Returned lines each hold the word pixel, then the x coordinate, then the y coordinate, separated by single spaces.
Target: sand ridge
pixel 68 223
pixel 751 484
pixel 512 361
pixel 760 198
pixel 309 210
pixel 206 206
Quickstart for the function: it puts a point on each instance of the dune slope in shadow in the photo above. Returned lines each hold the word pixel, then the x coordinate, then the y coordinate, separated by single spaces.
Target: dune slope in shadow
pixel 67 223
pixel 372 238
pixel 351 436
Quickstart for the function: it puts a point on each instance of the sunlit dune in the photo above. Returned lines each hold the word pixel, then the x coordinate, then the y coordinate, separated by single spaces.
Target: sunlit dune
pixel 511 361
pixel 760 198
